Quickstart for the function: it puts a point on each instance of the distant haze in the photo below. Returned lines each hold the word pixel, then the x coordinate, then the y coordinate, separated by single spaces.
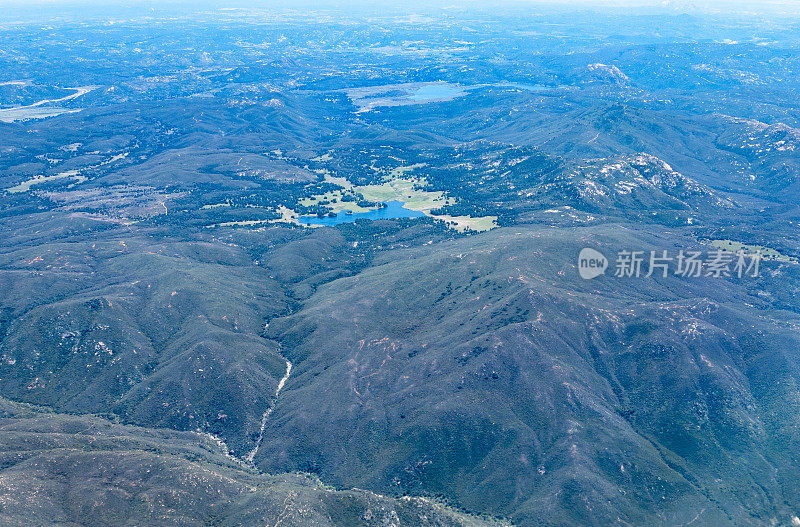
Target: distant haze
pixel 755 6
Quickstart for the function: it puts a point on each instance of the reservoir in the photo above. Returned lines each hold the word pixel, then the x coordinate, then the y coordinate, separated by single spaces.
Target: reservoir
pixel 436 92
pixel 393 210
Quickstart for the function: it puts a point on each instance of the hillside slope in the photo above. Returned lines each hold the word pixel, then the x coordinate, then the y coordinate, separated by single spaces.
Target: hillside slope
pixel 486 371
pixel 71 470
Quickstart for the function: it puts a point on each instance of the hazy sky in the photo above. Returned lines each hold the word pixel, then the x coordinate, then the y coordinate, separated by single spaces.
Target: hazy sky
pixel 791 7
pixel 754 4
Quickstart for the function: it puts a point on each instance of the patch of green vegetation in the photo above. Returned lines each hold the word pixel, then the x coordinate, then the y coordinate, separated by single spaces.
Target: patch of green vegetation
pixel 408 190
pixel 468 223
pixel 766 252
pixel 338 201
pixel 25 186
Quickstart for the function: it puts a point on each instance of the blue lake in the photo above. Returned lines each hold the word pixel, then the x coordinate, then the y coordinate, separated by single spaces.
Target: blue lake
pixel 393 210
pixel 432 92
